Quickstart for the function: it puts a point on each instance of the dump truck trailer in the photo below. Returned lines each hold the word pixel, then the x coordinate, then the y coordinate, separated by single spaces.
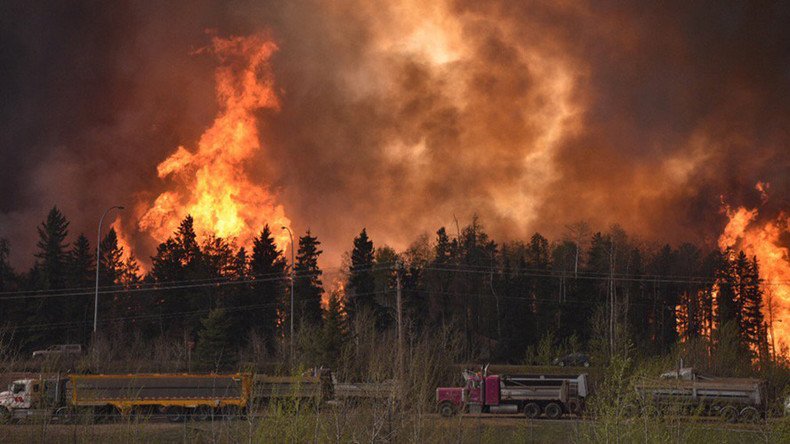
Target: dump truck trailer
pixel 97 396
pixel 531 396
pixel 733 399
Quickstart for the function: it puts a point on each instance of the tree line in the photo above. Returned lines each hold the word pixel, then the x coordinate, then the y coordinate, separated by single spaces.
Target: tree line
pixel 600 292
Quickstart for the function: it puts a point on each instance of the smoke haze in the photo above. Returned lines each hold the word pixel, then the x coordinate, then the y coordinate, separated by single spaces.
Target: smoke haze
pixel 401 116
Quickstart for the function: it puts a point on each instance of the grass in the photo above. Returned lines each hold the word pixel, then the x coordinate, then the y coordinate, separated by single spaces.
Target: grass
pixel 283 423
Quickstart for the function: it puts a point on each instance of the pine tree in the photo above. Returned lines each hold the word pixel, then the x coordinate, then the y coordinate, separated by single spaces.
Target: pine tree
pixel 51 253
pixel 753 322
pixel 539 293
pixel 81 263
pixel 82 274
pixel 111 260
pixel 361 282
pixel 308 287
pixel 439 279
pixel 178 259
pixel 214 351
pixel 50 273
pixel 726 298
pixel 268 269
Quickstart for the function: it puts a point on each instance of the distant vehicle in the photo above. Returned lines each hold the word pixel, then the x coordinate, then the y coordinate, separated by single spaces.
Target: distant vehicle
pixel 531 395
pixel 179 396
pixel 732 399
pixel 59 350
pixel 573 360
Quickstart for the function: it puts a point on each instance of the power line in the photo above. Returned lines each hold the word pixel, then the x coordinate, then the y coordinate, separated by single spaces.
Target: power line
pixel 375 267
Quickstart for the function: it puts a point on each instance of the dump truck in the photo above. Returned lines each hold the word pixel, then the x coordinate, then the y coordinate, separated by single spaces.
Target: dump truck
pixel 533 396
pixel 689 393
pixel 178 396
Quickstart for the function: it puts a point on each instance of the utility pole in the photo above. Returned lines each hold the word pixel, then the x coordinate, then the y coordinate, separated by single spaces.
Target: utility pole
pixel 98 263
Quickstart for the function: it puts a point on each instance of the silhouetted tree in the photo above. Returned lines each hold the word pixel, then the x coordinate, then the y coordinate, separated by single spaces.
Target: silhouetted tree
pixel 308 286
pixel 214 349
pixel 268 269
pixel 361 283
pixel 49 273
pixel 82 275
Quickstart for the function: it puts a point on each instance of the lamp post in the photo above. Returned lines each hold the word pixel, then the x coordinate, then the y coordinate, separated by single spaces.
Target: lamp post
pixel 293 266
pixel 98 262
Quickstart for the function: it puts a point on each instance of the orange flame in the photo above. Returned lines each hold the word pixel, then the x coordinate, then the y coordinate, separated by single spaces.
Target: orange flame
pixel 763 240
pixel 211 183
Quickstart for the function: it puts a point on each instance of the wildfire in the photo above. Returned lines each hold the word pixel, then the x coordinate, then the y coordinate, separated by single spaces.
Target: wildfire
pixel 763 240
pixel 211 183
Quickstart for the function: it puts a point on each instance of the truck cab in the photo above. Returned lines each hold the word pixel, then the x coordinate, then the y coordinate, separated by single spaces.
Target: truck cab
pixel 483 393
pixel 26 397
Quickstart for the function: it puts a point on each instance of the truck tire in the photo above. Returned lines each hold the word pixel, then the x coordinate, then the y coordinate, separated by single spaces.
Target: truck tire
pixel 729 414
pixel 532 410
pixel 446 409
pixel 749 414
pixel 553 410
pixel 175 414
pixel 203 413
pixel 5 415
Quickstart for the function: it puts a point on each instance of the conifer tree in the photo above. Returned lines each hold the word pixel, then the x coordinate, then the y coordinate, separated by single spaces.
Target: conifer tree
pixel 268 269
pixel 50 273
pixel 111 260
pixel 52 255
pixel 81 263
pixel 361 282
pixel 178 259
pixel 753 323
pixel 82 275
pixel 308 286
pixel 214 346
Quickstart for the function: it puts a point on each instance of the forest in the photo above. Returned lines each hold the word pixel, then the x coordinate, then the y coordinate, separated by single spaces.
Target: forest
pixel 516 302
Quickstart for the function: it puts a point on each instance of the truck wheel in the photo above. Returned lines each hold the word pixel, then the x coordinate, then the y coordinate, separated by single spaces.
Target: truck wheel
pixel 749 414
pixel 729 414
pixel 532 410
pixel 553 411
pixel 446 409
pixel 203 413
pixel 5 415
pixel 175 414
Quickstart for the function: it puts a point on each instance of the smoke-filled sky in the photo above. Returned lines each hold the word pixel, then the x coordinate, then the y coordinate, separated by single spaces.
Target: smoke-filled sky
pixel 401 116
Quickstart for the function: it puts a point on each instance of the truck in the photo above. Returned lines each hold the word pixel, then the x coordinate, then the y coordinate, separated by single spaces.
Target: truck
pixel 530 395
pixel 687 392
pixel 178 396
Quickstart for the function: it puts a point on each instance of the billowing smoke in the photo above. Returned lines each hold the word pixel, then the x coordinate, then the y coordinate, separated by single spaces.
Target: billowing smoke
pixel 401 116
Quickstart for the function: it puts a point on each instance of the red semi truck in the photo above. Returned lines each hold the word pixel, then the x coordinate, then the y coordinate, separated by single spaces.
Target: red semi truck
pixel 531 395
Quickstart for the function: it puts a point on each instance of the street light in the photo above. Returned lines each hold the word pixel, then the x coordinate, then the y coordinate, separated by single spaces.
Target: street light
pixel 98 262
pixel 293 266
